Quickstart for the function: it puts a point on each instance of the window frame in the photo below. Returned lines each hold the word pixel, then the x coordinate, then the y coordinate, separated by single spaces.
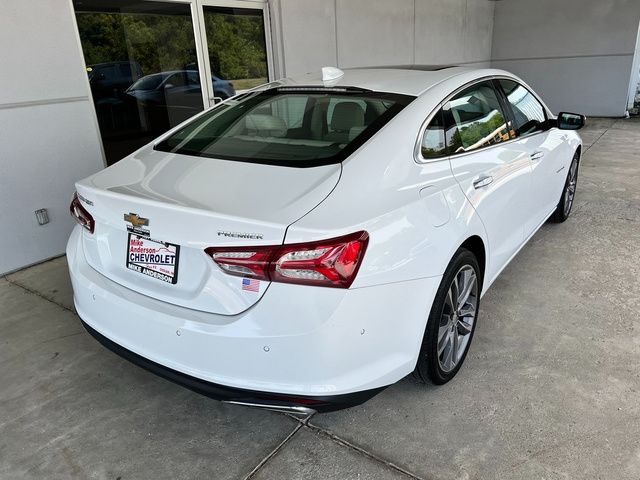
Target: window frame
pixel 417 151
pixel 507 105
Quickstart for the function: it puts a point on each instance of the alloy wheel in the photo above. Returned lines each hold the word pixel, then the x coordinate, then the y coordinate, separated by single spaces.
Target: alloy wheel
pixel 457 319
pixel 570 191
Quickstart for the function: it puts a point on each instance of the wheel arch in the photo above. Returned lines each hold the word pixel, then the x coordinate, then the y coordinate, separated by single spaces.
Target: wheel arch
pixel 476 245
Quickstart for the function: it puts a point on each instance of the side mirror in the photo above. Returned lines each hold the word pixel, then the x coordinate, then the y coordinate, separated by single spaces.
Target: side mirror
pixel 167 86
pixel 571 121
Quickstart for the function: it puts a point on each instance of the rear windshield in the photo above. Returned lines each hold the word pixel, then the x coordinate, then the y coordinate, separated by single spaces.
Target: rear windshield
pixel 288 126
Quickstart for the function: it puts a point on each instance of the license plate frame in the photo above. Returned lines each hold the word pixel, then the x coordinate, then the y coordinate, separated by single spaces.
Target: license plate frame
pixel 159 271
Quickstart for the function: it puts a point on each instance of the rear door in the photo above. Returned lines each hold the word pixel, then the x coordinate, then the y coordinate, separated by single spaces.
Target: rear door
pixel 495 178
pixel 542 145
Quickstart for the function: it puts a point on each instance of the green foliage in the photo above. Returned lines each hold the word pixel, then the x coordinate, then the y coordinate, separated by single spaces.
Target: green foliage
pixel 157 42
pixel 236 45
pixel 166 42
pixel 474 132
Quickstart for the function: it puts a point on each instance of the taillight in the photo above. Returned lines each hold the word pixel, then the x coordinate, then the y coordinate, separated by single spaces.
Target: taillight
pixel 80 214
pixel 243 262
pixel 333 263
pixel 328 263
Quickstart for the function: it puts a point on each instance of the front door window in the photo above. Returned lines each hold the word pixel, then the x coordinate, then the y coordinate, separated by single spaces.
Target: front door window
pixel 474 119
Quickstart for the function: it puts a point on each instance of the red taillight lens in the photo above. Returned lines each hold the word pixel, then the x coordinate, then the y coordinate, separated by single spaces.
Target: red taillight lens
pixel 243 262
pixel 80 214
pixel 332 263
pixel 328 263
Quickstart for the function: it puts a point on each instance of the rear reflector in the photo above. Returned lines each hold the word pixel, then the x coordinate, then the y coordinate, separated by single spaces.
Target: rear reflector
pixel 80 214
pixel 328 263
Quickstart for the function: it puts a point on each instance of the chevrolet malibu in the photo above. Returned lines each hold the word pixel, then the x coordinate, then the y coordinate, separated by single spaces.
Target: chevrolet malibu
pixel 303 245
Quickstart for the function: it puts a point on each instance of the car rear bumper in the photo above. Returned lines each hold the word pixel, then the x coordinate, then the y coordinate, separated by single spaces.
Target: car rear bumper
pixel 299 405
pixel 299 346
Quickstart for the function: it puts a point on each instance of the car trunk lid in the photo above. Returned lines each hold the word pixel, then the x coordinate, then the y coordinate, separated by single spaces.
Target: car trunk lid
pixel 180 205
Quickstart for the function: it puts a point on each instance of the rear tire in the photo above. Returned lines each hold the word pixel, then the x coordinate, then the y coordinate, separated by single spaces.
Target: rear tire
pixel 563 210
pixel 452 320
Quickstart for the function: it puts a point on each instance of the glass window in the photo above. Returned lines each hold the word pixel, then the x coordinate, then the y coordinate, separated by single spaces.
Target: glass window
pixel 433 144
pixel 335 101
pixel 130 48
pixel 150 82
pixel 474 119
pixel 340 109
pixel 280 127
pixel 291 109
pixel 528 112
pixel 193 77
pixel 106 72
pixel 125 69
pixel 178 79
pixel 237 48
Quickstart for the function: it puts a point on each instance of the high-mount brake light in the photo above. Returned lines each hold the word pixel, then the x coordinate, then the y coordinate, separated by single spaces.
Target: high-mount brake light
pixel 328 263
pixel 80 214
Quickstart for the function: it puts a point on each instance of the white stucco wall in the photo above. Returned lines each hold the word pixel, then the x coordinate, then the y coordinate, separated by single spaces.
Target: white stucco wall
pixel 577 54
pixel 48 131
pixel 350 33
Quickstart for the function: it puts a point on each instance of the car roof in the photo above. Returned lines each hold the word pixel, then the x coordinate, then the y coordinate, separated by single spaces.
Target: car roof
pixel 408 80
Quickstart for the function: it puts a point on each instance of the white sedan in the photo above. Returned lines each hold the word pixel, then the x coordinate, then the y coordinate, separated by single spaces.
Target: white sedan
pixel 304 245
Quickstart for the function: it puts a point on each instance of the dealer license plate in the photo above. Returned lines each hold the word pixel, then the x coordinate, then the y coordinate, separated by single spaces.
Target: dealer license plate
pixel 153 258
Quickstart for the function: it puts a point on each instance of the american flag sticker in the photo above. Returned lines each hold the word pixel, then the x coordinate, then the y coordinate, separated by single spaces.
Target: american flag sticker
pixel 251 285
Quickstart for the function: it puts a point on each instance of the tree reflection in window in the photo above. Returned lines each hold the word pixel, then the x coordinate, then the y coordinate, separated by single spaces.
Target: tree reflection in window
pixel 475 120
pixel 433 143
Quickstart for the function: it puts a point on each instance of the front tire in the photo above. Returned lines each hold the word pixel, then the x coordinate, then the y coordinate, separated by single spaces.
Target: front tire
pixel 452 320
pixel 563 210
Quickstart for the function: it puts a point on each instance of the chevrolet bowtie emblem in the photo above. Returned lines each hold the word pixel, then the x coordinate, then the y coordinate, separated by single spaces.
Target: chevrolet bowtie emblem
pixel 136 220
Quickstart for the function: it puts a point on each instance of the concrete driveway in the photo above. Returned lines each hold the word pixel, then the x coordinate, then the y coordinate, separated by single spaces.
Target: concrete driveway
pixel 551 387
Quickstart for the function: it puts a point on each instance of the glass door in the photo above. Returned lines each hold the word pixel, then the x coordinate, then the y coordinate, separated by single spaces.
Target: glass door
pixel 237 46
pixel 142 65
pixel 146 59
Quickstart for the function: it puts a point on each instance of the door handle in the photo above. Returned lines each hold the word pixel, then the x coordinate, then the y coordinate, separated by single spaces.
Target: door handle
pixel 535 156
pixel 482 181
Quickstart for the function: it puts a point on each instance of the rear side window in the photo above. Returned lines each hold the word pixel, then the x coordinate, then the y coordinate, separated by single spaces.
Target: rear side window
pixel 177 80
pixel 193 77
pixel 433 143
pixel 529 114
pixel 295 127
pixel 474 119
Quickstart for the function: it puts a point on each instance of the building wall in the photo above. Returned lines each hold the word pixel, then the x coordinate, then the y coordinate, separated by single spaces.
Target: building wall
pixel 48 132
pixel 577 54
pixel 354 33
